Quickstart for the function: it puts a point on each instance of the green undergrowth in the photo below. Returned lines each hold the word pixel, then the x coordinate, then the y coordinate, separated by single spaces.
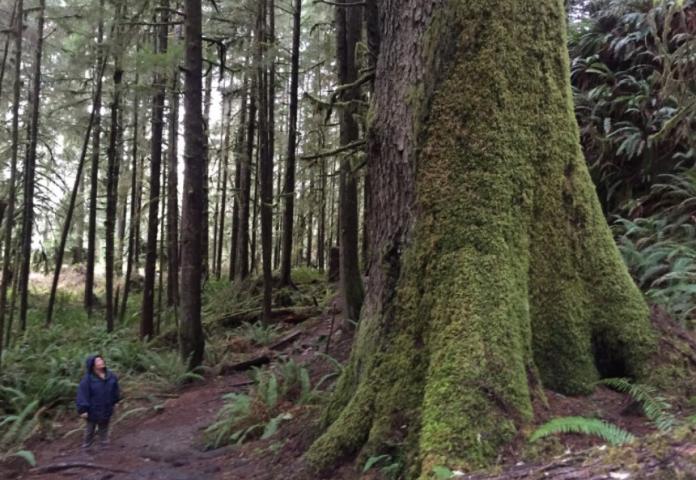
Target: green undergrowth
pixel 42 367
pixel 654 406
pixel 257 414
pixel 660 248
pixel 223 298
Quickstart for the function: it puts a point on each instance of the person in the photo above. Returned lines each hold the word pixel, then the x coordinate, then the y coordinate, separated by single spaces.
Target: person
pixel 97 395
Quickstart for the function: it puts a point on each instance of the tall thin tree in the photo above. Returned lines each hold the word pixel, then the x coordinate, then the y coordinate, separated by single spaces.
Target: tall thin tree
pixel 147 326
pixel 173 194
pixel 239 150
pixel 191 331
pixel 94 168
pixel 112 173
pixel 9 216
pixel 29 173
pixel 289 187
pixel 348 30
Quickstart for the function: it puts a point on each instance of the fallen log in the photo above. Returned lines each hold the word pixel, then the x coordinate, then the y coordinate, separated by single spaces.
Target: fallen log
pixel 58 467
pixel 292 315
pixel 227 369
pixel 289 338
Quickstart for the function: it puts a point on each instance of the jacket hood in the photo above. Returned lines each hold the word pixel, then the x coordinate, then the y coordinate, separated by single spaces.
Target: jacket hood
pixel 89 364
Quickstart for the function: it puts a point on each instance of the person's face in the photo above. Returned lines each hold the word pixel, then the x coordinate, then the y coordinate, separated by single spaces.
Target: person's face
pixel 99 364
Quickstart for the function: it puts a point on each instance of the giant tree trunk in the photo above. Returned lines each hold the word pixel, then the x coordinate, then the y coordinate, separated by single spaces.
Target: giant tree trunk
pixel 348 29
pixel 493 268
pixel 191 331
pixel 29 171
pixel 147 327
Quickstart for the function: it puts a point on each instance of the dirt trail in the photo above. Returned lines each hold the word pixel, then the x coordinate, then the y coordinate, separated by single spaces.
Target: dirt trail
pixel 167 444
pixel 162 446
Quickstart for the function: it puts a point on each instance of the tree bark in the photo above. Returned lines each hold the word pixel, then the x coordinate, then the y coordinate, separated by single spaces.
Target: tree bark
pixel 238 158
pixel 206 139
pixel 321 233
pixel 173 196
pixel 265 167
pixel 493 270
pixel 191 331
pixel 94 171
pixel 227 125
pixel 242 264
pixel 134 201
pixel 371 16
pixel 29 173
pixel 9 221
pixel 289 188
pixel 112 173
pixel 147 327
pixel 348 30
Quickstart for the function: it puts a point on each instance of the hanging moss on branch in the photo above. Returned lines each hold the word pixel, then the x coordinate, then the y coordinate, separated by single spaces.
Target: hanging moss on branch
pixel 494 271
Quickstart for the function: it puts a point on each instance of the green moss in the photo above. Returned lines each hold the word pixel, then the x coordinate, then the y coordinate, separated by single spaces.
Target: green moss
pixel 511 271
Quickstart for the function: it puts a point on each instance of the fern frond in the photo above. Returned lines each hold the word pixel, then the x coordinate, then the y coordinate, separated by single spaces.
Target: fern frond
pixel 586 426
pixel 655 407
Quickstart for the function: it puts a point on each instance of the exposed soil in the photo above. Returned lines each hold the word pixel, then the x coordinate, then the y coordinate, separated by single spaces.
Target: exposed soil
pixel 165 443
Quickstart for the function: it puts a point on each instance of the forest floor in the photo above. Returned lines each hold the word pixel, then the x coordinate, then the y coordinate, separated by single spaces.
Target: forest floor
pixel 164 439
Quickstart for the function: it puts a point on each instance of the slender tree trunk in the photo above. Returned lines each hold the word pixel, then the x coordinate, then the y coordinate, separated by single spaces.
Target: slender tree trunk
pixel 205 232
pixel 29 173
pixel 94 170
pixel 321 233
pixel 348 29
pixel 242 270
pixel 496 273
pixel 112 173
pixel 310 217
pixel 9 221
pixel 147 327
pixel 255 198
pixel 238 159
pixel 60 253
pixel 191 332
pixel 289 190
pixel 134 207
pixel 173 196
pixel 6 48
pixel 223 202
pixel 265 167
pixel 121 202
pixel 216 211
pixel 161 256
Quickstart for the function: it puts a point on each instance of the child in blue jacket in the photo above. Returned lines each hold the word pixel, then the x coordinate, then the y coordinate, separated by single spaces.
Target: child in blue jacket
pixel 96 396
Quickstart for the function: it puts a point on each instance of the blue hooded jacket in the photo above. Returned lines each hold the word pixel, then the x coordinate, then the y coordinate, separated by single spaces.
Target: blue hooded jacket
pixel 95 396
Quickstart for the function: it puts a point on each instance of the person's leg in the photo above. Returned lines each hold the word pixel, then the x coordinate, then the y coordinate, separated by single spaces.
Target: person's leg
pixel 104 433
pixel 89 434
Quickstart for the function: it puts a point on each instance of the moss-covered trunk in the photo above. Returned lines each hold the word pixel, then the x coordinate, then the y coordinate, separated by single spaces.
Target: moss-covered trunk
pixel 493 268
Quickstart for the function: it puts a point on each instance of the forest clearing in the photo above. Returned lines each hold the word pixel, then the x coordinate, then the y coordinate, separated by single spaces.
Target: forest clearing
pixel 376 239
